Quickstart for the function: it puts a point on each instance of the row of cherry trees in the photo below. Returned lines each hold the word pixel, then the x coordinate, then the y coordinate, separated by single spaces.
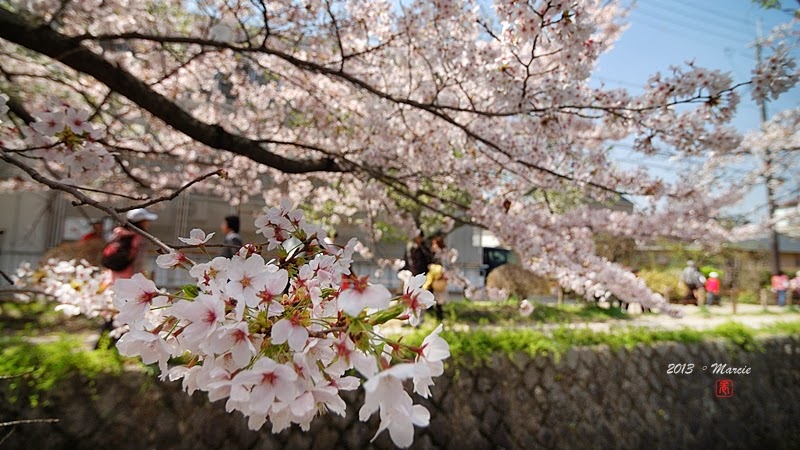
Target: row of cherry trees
pixel 453 110
pixel 348 103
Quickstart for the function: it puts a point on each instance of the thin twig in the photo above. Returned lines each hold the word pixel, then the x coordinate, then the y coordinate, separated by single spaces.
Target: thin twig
pixel 219 172
pixel 26 422
pixel 182 246
pixel 324 333
pixel 5 438
pixel 85 200
pixel 100 191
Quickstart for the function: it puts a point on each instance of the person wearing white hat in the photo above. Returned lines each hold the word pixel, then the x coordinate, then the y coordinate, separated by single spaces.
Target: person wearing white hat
pixel 139 215
pixel 125 253
pixel 712 289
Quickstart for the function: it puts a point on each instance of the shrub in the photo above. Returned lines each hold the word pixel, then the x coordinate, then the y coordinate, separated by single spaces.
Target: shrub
pixel 517 281
pixel 748 297
pixel 664 281
pixel 706 271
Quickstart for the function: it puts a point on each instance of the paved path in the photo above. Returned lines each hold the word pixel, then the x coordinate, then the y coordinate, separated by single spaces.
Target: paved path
pixel 754 316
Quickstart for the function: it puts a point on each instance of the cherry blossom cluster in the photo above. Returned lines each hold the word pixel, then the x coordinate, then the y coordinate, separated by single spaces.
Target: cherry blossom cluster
pixel 781 133
pixel 526 308
pixel 280 338
pixel 65 137
pixel 486 293
pixel 78 287
pixel 778 72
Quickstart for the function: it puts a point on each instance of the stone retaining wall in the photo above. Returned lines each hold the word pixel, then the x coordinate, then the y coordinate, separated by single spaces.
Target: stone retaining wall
pixel 591 398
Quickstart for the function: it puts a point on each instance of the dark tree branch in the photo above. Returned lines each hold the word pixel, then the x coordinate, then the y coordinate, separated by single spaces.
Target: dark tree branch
pixel 73 54
pixel 436 110
pixel 7 278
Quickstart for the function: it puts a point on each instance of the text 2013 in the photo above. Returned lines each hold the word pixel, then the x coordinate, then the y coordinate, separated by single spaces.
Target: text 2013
pixel 680 369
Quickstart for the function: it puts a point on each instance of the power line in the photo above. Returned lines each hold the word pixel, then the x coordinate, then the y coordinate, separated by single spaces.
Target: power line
pixel 648 22
pixel 719 29
pixel 688 27
pixel 717 14
pixel 620 82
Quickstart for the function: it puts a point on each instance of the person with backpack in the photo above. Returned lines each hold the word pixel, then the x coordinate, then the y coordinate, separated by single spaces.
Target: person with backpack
pixel 125 253
pixel 693 279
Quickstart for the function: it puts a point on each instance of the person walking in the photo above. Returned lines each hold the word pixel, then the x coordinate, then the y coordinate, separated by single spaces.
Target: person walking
pixel 233 242
pixel 125 253
pixel 780 284
pixel 93 243
pixel 418 255
pixel 692 279
pixel 437 274
pixel 713 289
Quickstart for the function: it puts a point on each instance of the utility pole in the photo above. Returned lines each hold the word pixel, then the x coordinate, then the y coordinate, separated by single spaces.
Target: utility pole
pixel 774 249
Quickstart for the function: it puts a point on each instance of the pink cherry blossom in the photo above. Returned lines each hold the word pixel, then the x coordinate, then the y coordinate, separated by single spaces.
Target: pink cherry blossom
pixel 525 308
pixel 196 237
pixel 49 123
pixel 385 392
pixel 265 382
pixel 415 298
pixel 235 339
pixel 247 277
pixel 359 294
pixel 212 271
pixel 146 345
pixel 135 296
pixel 270 289
pixel 171 260
pixel 204 315
pixel 78 120
pixel 291 331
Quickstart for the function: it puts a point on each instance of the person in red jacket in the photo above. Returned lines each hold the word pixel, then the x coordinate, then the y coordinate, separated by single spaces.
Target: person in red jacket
pixel 712 289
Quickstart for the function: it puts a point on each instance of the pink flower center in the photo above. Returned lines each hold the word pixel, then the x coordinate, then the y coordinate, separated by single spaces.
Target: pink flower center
pixel 239 336
pixel 269 378
pixel 357 284
pixel 210 317
pixel 411 300
pixel 146 297
pixel 265 296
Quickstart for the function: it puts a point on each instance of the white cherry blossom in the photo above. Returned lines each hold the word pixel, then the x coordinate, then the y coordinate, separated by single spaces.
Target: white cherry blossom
pixel 196 237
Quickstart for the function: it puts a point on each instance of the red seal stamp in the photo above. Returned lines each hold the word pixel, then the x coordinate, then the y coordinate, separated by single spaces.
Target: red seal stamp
pixel 724 388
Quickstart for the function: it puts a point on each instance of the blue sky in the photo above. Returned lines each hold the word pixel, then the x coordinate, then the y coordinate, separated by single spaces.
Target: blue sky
pixel 712 33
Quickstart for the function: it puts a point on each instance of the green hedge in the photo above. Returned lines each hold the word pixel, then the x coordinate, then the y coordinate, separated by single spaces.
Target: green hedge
pixel 479 345
pixel 38 366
